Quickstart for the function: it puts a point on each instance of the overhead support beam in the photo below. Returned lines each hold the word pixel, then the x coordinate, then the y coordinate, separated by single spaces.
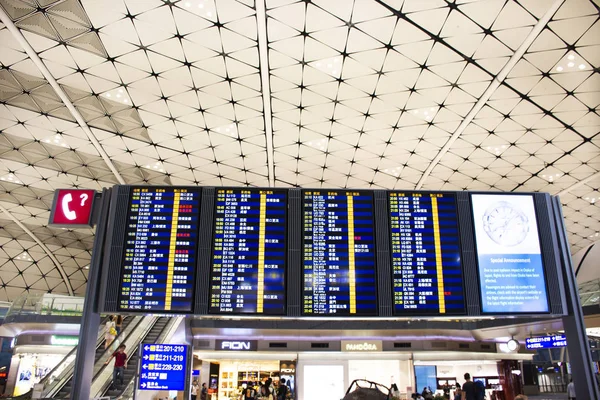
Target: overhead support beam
pixel 16 32
pixel 496 82
pixel 263 53
pixel 49 253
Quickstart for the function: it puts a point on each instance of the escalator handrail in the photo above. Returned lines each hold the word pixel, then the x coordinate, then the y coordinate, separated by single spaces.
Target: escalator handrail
pixel 67 373
pixel 165 334
pixel 132 348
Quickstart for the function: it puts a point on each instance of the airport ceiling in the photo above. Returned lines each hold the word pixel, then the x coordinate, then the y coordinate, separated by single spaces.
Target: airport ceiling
pixel 404 94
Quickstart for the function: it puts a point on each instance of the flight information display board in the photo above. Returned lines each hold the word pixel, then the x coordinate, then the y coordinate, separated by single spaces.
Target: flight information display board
pixel 160 252
pixel 249 252
pixel 426 260
pixel 339 253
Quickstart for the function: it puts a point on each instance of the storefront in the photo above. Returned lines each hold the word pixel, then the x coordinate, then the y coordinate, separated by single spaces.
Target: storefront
pixel 313 373
pixel 30 362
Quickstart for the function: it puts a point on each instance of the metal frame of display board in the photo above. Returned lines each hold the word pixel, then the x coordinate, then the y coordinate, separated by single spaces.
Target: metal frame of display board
pixel 573 323
pixel 90 319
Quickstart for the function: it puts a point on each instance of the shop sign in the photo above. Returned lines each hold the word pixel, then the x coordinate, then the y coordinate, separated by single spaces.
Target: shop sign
pixel 163 367
pixel 236 345
pixel 64 340
pixel 287 367
pixel 361 345
pixel 546 342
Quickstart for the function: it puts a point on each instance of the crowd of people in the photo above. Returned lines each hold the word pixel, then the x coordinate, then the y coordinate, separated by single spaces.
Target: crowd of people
pixel 267 390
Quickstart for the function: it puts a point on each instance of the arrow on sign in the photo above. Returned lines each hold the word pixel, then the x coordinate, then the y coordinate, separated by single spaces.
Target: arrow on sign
pixel 143 385
pixel 145 366
pixel 145 357
pixel 146 347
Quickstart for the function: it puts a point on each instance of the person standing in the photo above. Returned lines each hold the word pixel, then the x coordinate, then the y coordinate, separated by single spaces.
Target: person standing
pixel 203 392
pixel 119 324
pixel 282 390
pixel 457 392
pixel 110 332
pixel 250 393
pixel 120 365
pixel 468 389
pixel 194 391
pixel 571 390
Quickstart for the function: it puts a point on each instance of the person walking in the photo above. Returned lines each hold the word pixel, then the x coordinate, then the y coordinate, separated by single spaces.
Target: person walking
pixel 468 389
pixel 120 365
pixel 194 391
pixel 203 392
pixel 571 390
pixel 110 332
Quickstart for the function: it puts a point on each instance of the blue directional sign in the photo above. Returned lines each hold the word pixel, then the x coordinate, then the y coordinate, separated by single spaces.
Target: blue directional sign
pixel 545 342
pixel 163 367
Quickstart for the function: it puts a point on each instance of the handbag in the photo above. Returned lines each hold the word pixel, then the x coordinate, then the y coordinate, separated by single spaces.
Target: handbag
pixel 112 331
pixel 367 390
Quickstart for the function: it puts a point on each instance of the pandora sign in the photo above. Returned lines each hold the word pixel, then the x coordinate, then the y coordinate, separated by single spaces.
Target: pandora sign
pixel 361 345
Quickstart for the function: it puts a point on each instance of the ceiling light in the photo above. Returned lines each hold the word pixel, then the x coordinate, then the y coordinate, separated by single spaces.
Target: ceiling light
pixel 107 94
pixel 200 5
pixel 513 345
pixel 571 57
pixel 571 64
pixel 209 14
pixel 581 66
pixel 188 4
pixel 559 68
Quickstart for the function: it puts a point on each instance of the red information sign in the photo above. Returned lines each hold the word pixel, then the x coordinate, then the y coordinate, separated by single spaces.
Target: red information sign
pixel 72 207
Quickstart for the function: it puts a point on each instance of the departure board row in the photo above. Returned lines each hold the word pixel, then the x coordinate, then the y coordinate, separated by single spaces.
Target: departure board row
pixel 160 252
pixel 426 264
pixel 245 252
pixel 339 254
pixel 249 252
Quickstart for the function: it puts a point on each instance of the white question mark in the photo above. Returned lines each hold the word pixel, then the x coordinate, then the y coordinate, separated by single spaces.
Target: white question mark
pixel 83 198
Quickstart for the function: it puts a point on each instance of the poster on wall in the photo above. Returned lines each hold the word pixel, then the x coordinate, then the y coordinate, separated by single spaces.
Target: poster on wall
pixel 511 271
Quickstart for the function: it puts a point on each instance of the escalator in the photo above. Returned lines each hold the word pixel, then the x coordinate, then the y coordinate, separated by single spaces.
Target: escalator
pixel 65 391
pixel 151 337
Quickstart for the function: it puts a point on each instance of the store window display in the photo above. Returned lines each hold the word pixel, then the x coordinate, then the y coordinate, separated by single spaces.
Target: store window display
pixel 32 369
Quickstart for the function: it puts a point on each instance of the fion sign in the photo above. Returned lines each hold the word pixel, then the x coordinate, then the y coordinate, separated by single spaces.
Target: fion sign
pixel 236 345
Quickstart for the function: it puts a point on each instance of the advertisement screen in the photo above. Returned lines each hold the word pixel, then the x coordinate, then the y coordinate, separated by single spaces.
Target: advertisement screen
pixel 511 271
pixel 249 252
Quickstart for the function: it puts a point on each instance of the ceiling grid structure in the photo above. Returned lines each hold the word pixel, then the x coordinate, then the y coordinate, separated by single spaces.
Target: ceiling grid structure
pixel 305 93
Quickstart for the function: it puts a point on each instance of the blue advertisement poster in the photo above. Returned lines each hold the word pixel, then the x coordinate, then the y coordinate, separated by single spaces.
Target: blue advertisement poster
pixel 511 272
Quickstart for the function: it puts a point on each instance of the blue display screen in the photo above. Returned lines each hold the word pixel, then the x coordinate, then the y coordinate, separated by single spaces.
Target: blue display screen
pixel 160 252
pixel 545 342
pixel 425 377
pixel 511 266
pixel 338 253
pixel 163 367
pixel 426 262
pixel 249 252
